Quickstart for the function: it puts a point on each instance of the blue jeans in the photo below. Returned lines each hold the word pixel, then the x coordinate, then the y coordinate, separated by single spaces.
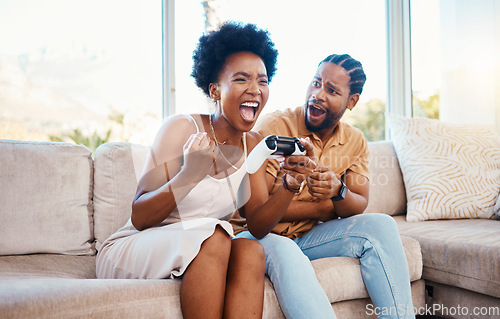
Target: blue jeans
pixel 373 238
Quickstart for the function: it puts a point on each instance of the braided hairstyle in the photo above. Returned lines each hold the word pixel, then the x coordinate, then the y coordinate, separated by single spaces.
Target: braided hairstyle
pixel 353 68
pixel 232 37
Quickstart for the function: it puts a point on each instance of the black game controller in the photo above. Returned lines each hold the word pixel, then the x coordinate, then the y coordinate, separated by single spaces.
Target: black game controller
pixel 273 146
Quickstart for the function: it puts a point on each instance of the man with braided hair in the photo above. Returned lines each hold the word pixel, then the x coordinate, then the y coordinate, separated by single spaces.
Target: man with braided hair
pixel 325 218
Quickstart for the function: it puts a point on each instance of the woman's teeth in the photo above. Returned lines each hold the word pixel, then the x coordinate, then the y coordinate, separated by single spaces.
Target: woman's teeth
pixel 250 104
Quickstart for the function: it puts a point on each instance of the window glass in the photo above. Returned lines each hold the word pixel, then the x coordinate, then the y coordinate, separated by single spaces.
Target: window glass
pixel 80 71
pixel 455 59
pixel 304 34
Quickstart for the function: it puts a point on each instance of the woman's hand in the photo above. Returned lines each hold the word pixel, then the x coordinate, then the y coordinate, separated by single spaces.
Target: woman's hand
pixel 198 152
pixel 299 167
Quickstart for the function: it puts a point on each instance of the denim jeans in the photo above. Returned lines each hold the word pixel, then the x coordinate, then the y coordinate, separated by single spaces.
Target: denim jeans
pixel 373 238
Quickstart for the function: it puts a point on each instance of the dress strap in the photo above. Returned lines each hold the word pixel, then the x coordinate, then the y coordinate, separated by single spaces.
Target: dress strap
pixel 245 145
pixel 189 116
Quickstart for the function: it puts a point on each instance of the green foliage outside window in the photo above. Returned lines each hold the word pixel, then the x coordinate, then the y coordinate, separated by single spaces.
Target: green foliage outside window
pixel 369 117
pixel 91 140
pixel 94 138
pixel 426 108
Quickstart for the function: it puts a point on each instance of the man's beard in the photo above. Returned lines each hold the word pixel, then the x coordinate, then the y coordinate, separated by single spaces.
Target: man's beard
pixel 330 120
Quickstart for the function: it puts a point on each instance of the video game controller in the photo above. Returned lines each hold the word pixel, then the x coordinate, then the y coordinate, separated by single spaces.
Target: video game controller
pixel 273 146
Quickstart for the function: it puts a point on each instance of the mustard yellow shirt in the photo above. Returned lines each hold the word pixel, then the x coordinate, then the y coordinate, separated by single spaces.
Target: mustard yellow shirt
pixel 346 149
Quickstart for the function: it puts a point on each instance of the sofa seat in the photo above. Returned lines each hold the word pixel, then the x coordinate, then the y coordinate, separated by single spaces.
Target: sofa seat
pixel 51 285
pixel 59 203
pixel 462 253
pixel 89 298
pixel 47 266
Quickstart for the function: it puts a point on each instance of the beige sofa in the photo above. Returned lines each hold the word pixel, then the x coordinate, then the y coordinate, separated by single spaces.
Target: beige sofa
pixel 58 204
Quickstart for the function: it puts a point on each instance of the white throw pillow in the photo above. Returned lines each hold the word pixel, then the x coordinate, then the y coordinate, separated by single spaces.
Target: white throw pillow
pixel 450 171
pixel 497 207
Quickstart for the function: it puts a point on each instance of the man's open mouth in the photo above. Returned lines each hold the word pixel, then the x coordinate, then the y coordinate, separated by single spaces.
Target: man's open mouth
pixel 316 111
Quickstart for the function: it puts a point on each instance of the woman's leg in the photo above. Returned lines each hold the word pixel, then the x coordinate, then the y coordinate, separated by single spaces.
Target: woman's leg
pixel 245 280
pixel 298 291
pixel 375 240
pixel 204 281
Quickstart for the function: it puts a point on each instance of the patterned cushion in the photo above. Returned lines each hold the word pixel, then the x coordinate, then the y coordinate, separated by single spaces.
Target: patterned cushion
pixel 497 207
pixel 449 170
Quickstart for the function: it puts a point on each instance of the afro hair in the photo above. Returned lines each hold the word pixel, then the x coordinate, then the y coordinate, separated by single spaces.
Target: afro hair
pixel 232 37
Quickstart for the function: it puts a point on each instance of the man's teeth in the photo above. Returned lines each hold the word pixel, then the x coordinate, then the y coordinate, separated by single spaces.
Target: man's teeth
pixel 250 104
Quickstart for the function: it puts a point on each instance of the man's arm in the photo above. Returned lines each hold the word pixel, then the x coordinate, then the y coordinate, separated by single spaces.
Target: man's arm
pixel 299 210
pixel 325 209
pixel 324 185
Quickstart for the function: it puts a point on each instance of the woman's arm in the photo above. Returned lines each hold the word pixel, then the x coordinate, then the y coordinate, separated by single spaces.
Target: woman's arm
pixel 262 211
pixel 178 160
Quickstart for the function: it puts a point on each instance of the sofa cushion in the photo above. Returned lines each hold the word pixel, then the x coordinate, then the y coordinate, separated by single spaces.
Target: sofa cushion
pixel 387 190
pixel 45 286
pixel 341 276
pixel 92 298
pixel 450 170
pixel 463 253
pixel 129 298
pixel 47 266
pixel 117 170
pixel 45 198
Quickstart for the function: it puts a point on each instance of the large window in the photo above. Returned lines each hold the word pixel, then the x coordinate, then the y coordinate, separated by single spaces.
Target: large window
pixel 91 71
pixel 456 60
pixel 304 34
pixel 80 71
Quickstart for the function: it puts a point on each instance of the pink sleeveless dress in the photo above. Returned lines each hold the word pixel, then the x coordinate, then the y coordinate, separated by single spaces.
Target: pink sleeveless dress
pixel 166 250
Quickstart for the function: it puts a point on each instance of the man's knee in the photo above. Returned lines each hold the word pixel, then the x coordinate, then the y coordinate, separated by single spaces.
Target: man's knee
pixel 283 253
pixel 380 222
pixel 379 228
pixel 279 250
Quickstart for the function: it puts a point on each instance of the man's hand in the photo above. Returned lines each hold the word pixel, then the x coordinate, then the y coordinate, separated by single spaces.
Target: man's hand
pixel 323 183
pixel 299 167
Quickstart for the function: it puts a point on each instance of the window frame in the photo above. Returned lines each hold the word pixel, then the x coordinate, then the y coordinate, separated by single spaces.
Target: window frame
pixel 168 63
pixel 399 95
pixel 399 86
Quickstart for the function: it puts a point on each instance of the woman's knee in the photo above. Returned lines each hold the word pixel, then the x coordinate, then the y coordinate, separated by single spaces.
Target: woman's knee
pixel 218 245
pixel 248 253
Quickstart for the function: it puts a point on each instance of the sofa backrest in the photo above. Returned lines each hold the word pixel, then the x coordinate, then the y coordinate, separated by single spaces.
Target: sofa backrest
pixel 118 168
pixel 387 190
pixel 45 198
pixel 55 199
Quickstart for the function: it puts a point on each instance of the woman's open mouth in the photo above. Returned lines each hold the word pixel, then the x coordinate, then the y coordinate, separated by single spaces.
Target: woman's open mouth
pixel 248 110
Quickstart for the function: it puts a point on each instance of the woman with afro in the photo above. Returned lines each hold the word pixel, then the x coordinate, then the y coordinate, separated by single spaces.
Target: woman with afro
pixel 195 178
